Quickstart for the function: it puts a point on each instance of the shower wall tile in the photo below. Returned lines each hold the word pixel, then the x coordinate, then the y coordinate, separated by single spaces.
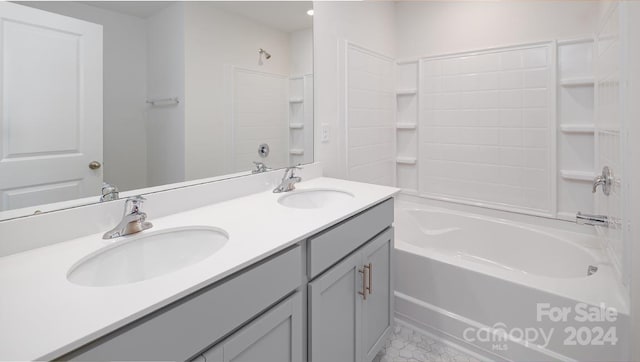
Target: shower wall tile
pixel 486 124
pixel 260 115
pixel 370 107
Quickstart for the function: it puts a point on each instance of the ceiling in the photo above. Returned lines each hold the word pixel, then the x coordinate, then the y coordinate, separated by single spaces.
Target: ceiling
pixel 286 16
pixel 141 9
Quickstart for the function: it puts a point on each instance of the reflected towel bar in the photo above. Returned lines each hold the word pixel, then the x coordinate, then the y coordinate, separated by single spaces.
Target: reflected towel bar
pixel 163 101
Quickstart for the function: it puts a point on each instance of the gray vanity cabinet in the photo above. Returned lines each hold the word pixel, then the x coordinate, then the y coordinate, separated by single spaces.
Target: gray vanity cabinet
pixel 350 304
pixel 275 336
pixel 326 299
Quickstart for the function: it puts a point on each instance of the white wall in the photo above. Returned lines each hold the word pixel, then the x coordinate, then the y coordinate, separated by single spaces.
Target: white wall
pixel 608 120
pixel 369 24
pixel 631 150
pixel 125 57
pixel 426 28
pixel 215 38
pixel 166 78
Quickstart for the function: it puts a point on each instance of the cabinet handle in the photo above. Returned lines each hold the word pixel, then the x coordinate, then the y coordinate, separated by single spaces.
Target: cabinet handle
pixel 369 268
pixel 363 293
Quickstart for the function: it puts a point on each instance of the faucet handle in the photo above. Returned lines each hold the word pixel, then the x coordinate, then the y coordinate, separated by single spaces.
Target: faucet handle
pixel 109 192
pixel 136 203
pixel 260 167
pixel 292 169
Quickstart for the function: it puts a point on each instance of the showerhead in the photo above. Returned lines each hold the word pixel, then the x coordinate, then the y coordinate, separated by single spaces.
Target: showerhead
pixel 265 53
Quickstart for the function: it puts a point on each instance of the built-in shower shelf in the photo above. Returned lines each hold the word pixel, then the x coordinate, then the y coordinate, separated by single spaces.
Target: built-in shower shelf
pixel 406 92
pixel 296 125
pixel 406 160
pixel 573 175
pixel 296 151
pixel 406 125
pixel 577 128
pixel 577 82
pixel 296 100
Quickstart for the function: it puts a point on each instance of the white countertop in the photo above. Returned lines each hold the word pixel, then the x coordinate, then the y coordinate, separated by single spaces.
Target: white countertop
pixel 43 315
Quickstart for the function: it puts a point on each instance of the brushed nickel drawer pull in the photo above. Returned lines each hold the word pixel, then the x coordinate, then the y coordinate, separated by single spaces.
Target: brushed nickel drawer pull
pixel 363 293
pixel 369 268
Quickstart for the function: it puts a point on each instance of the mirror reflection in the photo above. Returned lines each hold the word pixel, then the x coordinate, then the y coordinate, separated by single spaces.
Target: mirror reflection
pixel 100 98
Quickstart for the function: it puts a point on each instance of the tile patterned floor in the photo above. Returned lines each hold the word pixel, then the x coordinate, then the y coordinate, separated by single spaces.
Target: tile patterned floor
pixel 408 345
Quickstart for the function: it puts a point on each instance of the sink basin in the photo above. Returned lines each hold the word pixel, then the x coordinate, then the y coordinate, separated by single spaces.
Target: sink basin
pixel 146 256
pixel 314 198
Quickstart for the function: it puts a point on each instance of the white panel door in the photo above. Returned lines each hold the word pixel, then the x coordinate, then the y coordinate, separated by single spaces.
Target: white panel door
pixel 50 107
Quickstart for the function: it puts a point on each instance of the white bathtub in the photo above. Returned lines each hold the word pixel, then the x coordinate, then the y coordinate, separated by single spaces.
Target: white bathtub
pixel 480 282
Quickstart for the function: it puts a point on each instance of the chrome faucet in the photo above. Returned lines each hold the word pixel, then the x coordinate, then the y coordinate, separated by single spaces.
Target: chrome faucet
pixel 288 183
pixel 109 192
pixel 593 220
pixel 132 221
pixel 260 167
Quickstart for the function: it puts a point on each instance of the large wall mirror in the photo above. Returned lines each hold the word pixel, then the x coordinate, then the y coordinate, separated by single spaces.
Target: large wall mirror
pixel 145 94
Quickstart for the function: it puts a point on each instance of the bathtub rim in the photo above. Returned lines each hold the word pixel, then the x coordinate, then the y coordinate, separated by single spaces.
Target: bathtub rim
pixel 588 243
pixel 483 210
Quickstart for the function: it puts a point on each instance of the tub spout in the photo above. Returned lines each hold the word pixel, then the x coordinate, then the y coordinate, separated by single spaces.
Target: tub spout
pixel 594 220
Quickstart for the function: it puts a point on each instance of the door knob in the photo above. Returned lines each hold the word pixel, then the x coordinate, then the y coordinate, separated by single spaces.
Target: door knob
pixel 94 165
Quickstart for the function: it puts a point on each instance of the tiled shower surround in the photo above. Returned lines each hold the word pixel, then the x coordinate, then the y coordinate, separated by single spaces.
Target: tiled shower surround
pixel 487 127
pixel 369 117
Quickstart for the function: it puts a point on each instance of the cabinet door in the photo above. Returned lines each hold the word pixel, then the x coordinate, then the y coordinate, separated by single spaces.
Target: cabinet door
pixel 276 336
pixel 377 309
pixel 335 311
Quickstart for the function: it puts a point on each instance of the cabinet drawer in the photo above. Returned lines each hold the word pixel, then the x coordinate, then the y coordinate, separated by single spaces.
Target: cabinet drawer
pixel 181 330
pixel 328 247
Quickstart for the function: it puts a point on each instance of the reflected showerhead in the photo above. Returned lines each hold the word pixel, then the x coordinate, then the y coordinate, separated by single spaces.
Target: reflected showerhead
pixel 265 53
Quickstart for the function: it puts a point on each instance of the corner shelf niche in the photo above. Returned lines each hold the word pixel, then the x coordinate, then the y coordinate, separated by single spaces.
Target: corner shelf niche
pixel 300 115
pixel 582 176
pixel 576 127
pixel 406 160
pixel 577 82
pixel 407 126
pixel 296 151
pixel 406 92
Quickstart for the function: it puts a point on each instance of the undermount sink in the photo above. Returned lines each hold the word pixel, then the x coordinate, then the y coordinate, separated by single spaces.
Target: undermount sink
pixel 145 256
pixel 314 198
